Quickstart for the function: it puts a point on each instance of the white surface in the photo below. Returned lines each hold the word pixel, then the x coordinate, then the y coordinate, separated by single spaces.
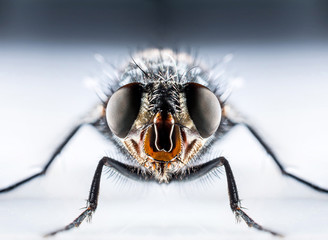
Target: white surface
pixel 284 93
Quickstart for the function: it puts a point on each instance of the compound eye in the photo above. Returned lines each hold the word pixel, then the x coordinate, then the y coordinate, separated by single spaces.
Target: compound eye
pixel 123 108
pixel 204 109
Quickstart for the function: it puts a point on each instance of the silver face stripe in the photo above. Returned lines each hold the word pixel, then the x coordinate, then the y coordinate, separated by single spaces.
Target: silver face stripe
pixel 156 137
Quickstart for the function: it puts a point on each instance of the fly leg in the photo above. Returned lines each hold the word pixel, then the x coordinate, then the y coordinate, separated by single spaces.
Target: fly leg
pixel 47 165
pixel 269 150
pixel 89 120
pixel 125 170
pixel 235 202
pixel 203 169
pixel 92 201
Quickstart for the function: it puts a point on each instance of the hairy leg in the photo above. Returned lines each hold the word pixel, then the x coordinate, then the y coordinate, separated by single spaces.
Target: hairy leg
pixel 92 200
pixel 125 170
pixel 203 169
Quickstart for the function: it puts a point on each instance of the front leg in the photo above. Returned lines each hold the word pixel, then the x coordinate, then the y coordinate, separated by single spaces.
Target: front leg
pixel 235 202
pixel 125 170
pixel 92 201
pixel 195 172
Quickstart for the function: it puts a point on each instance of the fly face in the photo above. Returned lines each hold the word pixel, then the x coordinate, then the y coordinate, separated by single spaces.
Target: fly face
pixel 163 122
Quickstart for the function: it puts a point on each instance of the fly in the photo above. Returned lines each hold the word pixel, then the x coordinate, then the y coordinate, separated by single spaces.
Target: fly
pixel 163 116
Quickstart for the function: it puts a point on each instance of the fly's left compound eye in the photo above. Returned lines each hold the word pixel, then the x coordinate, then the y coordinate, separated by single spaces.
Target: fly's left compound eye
pixel 204 109
pixel 123 108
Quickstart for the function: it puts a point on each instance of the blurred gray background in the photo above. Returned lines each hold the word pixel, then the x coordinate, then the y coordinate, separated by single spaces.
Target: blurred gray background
pixel 280 74
pixel 163 22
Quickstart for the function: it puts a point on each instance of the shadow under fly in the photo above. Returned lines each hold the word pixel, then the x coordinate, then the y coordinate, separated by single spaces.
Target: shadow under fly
pixel 164 111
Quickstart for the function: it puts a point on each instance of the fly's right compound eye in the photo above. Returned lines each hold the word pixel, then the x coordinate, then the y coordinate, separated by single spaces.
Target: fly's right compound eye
pixel 204 108
pixel 123 108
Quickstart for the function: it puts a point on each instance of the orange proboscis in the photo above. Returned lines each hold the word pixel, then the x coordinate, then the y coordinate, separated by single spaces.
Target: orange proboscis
pixel 175 138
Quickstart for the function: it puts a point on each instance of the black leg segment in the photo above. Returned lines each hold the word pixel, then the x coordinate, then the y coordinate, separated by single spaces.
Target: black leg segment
pixel 235 202
pixel 92 201
pixel 279 164
pixel 203 169
pixel 271 153
pixel 49 162
pixel 125 170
